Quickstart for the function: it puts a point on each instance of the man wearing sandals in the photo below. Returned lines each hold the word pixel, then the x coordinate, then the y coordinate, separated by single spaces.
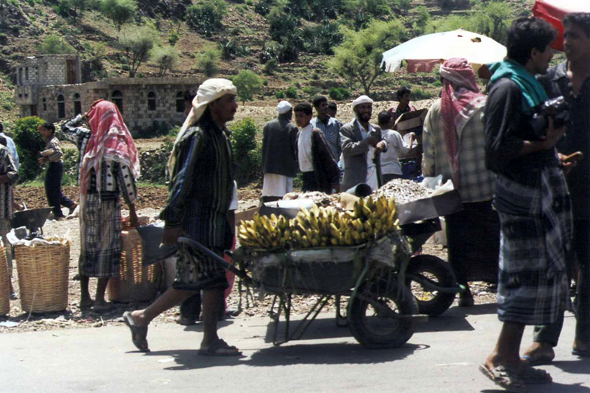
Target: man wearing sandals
pixel 571 79
pixel 201 189
pixel 532 201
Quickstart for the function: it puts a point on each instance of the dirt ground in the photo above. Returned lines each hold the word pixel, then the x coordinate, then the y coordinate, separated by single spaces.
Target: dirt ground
pixel 150 202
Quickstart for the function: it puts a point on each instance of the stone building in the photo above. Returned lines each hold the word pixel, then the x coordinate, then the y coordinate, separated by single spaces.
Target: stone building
pixel 50 87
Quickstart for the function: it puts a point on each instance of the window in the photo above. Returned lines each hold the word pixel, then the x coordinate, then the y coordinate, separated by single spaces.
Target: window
pixel 20 76
pixel 77 104
pixel 151 101
pixel 180 101
pixel 27 73
pixel 44 104
pixel 61 107
pixel 118 99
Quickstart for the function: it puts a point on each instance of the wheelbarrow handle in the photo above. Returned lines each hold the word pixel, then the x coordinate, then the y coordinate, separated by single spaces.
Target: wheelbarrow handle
pixel 219 260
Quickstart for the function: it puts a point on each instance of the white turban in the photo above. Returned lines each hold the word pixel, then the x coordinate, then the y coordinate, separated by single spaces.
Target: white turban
pixel 284 107
pixel 211 90
pixel 361 100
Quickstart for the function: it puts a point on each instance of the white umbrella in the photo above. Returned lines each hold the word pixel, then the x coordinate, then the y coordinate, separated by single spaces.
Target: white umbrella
pixel 423 53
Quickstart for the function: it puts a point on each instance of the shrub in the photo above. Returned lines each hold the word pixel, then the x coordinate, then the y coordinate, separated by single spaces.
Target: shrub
pixel 119 11
pixel 263 7
pixel 420 94
pixel 291 92
pixel 205 17
pixel 247 152
pixel 271 67
pixel 166 58
pixel 338 93
pixel 55 45
pixel 322 38
pixel 138 44
pixel 280 95
pixel 248 84
pixel 173 37
pixel 209 61
pixel 28 144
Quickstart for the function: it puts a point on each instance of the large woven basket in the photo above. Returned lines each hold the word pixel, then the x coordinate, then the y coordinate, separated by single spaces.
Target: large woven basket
pixel 136 282
pixel 43 276
pixel 4 283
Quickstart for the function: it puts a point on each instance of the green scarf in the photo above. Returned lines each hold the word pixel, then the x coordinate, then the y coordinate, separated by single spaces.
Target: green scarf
pixel 532 90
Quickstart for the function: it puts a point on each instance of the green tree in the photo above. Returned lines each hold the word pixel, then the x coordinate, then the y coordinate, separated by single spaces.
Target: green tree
pixel 206 16
pixel 54 45
pixel 28 143
pixel 75 8
pixel 404 5
pixel 248 84
pixel 209 61
pixel 138 43
pixel 500 15
pixel 119 11
pixel 165 57
pixel 359 56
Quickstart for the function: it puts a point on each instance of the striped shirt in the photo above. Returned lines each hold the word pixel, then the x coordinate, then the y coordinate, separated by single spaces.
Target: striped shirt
pixel 201 185
pixel 477 183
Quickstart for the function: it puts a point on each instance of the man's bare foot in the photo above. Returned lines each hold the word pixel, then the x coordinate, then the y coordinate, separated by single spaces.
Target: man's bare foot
pixel 539 353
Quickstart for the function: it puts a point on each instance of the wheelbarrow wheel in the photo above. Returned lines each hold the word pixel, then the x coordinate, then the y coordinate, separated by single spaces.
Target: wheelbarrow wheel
pixel 430 302
pixel 382 319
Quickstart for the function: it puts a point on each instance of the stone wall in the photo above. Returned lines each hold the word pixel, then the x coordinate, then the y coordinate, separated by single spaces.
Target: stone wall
pixel 131 94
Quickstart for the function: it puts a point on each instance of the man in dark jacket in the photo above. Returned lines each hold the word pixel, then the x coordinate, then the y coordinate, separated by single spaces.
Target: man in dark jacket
pixel 362 144
pixel 571 79
pixel 279 154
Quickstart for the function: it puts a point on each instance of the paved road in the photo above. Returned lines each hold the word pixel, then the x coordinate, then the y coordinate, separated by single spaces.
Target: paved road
pixel 441 357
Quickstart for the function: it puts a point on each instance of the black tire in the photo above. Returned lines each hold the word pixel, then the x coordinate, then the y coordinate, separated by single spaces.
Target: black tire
pixel 432 303
pixel 373 329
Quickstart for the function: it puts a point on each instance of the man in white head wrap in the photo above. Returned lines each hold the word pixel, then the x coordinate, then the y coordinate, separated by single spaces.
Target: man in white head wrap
pixel 362 144
pixel 279 154
pixel 201 190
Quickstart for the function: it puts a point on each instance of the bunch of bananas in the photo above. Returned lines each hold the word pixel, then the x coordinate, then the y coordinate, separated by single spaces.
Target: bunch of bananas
pixel 369 220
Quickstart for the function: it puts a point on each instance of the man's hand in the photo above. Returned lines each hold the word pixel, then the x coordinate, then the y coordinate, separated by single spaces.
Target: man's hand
pixel 42 160
pixel 85 116
pixel 171 235
pixel 379 147
pixel 372 140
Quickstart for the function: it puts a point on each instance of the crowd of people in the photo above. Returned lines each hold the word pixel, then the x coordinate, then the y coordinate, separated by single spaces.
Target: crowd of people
pixel 525 194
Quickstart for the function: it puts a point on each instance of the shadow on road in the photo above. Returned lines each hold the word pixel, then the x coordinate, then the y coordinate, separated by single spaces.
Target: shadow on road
pixel 549 388
pixel 324 354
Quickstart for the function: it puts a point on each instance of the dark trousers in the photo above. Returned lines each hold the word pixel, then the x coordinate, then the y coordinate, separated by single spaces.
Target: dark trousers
pixel 473 239
pixel 191 307
pixel 550 333
pixel 55 197
pixel 309 182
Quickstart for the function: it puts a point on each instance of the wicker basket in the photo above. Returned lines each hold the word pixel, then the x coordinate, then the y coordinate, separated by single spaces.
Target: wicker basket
pixel 136 282
pixel 4 283
pixel 43 276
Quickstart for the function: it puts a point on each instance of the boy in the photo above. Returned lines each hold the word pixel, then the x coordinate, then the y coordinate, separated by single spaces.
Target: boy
pixel 319 169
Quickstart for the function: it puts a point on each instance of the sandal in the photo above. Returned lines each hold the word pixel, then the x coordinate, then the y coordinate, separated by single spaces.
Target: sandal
pixel 140 343
pixel 504 377
pixel 533 376
pixel 219 348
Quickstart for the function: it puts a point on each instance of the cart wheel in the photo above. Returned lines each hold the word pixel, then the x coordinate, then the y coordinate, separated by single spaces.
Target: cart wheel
pixel 432 303
pixel 379 319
